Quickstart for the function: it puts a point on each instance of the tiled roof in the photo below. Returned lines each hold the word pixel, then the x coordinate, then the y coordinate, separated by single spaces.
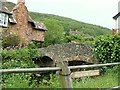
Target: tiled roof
pixel 39 25
pixel 5 10
pixel 36 24
pixel 5 7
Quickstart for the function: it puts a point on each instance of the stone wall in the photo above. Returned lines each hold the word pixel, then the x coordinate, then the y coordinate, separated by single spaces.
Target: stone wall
pixel 69 52
pixel 37 35
pixel 21 15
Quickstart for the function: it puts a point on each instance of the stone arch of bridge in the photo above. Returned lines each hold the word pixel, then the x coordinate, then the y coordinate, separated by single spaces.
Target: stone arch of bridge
pixel 77 62
pixel 72 61
pixel 47 61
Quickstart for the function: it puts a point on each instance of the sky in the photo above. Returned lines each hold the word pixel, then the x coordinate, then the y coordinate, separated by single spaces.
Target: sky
pixel 98 12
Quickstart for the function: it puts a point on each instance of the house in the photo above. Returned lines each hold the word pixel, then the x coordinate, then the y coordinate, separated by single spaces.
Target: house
pixel 117 24
pixel 17 20
pixel 117 21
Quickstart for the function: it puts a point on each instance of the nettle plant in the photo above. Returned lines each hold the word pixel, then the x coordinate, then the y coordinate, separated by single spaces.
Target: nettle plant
pixel 107 48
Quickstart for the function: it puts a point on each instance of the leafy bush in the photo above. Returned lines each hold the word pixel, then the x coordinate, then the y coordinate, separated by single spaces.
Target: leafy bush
pixel 107 48
pixel 19 58
pixel 19 80
pixel 76 38
pixel 32 45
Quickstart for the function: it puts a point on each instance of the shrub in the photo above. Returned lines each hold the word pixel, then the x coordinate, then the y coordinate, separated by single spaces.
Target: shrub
pixel 107 48
pixel 19 58
pixel 76 38
pixel 32 45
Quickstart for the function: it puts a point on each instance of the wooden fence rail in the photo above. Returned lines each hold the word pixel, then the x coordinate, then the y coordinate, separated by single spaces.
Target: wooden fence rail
pixel 62 68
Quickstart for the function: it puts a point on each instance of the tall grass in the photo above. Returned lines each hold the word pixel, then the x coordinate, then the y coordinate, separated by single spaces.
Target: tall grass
pixel 107 80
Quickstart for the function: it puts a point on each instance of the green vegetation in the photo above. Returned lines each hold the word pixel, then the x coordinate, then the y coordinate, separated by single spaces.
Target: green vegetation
pixel 55 33
pixel 107 48
pixel 108 80
pixel 19 58
pixel 22 58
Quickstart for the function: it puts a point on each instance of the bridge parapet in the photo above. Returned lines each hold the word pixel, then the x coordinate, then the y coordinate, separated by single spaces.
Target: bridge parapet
pixel 69 52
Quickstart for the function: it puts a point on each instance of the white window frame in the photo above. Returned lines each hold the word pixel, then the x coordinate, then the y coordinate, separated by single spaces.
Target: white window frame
pixel 3 19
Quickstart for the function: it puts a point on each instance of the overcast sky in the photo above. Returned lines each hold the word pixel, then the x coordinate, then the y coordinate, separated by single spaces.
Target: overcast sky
pixel 99 12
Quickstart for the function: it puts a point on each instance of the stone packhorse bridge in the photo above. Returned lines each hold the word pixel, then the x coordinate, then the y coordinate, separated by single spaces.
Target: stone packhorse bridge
pixel 73 53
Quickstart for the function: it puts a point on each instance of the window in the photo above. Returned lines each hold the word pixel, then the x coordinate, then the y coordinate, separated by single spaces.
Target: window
pixel 3 19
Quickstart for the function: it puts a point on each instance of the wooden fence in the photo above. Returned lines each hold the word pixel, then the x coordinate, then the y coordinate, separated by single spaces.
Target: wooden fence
pixel 63 70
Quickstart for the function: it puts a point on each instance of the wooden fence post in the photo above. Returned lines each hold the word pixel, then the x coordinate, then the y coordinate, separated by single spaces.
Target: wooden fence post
pixel 65 75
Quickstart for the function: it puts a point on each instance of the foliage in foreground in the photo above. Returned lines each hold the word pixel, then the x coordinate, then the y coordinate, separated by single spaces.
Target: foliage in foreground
pixel 107 48
pixel 18 58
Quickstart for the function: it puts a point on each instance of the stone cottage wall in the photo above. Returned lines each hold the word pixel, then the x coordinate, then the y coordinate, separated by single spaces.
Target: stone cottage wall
pixel 21 14
pixel 38 35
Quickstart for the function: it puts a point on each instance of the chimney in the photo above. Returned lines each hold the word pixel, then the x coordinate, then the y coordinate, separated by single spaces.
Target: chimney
pixel 20 1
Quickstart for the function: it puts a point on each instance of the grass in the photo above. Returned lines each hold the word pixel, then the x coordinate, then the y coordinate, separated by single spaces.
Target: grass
pixel 107 80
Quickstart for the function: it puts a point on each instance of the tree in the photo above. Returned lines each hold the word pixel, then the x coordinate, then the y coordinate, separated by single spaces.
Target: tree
pixel 55 33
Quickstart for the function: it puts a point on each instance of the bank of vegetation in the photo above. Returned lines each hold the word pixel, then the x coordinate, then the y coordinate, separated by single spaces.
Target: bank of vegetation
pixel 107 50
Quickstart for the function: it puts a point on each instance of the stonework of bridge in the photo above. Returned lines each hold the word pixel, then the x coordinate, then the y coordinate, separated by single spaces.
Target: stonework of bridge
pixel 70 52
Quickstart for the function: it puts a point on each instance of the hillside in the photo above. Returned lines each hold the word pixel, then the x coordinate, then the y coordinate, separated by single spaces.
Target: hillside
pixel 71 24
